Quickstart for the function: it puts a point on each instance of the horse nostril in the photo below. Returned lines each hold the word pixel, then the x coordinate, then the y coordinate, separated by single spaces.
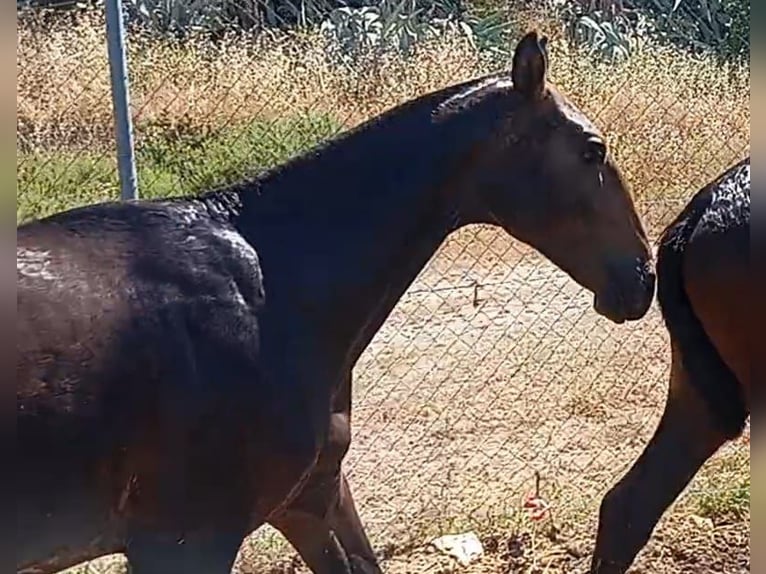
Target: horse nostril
pixel 634 281
pixel 645 269
pixel 642 298
pixel 629 292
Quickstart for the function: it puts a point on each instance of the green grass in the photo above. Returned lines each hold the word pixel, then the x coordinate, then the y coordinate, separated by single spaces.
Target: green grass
pixel 722 490
pixel 171 161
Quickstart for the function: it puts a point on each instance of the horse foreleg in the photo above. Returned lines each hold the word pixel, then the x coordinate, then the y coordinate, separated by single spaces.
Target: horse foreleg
pixel 686 437
pixel 322 522
pixel 347 525
pixel 314 540
pixel 162 553
pixel 343 517
pixel 325 529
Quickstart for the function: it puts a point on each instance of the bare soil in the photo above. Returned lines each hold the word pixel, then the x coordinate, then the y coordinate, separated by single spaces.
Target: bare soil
pixel 494 370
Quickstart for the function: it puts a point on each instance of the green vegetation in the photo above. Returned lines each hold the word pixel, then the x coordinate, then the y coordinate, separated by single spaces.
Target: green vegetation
pixel 610 28
pixel 170 162
pixel 722 490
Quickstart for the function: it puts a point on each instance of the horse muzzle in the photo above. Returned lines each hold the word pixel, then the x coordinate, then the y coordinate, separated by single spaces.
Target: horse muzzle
pixel 629 291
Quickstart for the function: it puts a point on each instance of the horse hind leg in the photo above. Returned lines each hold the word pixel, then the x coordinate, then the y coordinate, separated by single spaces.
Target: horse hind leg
pixel 313 538
pixel 189 516
pixel 686 437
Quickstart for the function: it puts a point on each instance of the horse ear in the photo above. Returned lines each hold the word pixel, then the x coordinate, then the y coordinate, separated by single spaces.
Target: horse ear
pixel 530 65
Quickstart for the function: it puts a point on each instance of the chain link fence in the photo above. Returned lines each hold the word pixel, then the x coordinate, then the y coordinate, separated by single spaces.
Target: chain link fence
pixel 493 378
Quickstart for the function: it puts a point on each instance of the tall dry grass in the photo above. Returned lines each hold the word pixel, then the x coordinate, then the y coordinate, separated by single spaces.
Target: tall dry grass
pixel 673 121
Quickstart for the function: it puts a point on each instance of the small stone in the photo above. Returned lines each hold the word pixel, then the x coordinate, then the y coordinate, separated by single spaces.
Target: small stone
pixel 701 522
pixel 465 548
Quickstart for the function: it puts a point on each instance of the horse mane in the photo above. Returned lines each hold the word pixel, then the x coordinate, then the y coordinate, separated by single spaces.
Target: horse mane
pixel 443 104
pixel 471 94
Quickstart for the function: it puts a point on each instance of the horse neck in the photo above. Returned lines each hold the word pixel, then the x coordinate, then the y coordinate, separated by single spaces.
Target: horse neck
pixel 342 232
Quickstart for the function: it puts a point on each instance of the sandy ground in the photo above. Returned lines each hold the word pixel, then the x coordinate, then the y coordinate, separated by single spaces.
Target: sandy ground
pixel 494 369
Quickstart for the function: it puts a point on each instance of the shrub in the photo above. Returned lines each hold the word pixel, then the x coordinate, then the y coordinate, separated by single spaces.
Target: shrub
pixel 609 28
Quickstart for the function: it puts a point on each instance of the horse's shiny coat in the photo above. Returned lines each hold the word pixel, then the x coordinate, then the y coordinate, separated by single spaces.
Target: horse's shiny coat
pixel 184 366
pixel 705 294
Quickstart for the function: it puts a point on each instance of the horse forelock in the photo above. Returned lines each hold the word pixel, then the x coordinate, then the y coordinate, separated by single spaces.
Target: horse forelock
pixel 572 113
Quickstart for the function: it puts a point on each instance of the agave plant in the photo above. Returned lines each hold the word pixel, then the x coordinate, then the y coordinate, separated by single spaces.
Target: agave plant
pixel 352 32
pixel 489 32
pixel 721 26
pixel 388 25
pixel 608 27
pixel 294 13
pixel 608 38
pixel 180 17
pixel 399 25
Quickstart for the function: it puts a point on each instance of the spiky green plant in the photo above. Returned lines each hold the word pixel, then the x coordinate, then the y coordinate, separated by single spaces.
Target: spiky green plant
pixel 399 25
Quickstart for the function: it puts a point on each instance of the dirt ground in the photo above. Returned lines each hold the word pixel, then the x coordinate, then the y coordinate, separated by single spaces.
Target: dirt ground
pixel 492 370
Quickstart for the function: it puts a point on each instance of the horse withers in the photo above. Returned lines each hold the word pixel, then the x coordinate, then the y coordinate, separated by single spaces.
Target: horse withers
pixel 184 365
pixel 705 294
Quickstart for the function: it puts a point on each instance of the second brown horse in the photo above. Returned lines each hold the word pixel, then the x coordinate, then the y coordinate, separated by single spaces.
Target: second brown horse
pixel 705 295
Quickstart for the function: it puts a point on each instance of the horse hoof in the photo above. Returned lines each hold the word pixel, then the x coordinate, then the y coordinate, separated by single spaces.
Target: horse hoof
pixel 360 565
pixel 600 566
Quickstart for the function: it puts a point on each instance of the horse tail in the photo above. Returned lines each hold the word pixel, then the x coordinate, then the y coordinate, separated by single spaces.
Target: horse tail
pixel 707 371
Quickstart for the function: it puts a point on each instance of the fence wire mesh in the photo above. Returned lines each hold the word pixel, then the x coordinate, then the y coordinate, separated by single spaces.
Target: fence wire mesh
pixel 493 377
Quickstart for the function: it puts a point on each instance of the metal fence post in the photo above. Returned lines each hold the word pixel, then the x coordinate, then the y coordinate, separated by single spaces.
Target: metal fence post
pixel 126 161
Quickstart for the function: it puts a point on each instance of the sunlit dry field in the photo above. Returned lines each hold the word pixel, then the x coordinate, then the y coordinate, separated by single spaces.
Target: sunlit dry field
pixel 493 368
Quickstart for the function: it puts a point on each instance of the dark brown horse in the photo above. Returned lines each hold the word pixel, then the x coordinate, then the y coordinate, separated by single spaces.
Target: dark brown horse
pixel 184 366
pixel 705 295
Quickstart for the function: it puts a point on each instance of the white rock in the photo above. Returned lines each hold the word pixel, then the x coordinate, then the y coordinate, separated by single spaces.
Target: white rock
pixel 702 523
pixel 465 548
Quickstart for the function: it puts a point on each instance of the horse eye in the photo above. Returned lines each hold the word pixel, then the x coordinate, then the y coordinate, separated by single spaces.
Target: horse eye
pixel 595 152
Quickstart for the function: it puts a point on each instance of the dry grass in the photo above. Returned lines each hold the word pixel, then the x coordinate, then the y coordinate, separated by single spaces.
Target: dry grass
pixel 673 121
pixel 457 406
pixel 198 85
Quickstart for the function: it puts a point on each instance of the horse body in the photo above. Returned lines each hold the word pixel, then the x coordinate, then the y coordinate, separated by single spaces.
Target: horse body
pixel 184 366
pixel 705 293
pixel 141 363
pixel 198 331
